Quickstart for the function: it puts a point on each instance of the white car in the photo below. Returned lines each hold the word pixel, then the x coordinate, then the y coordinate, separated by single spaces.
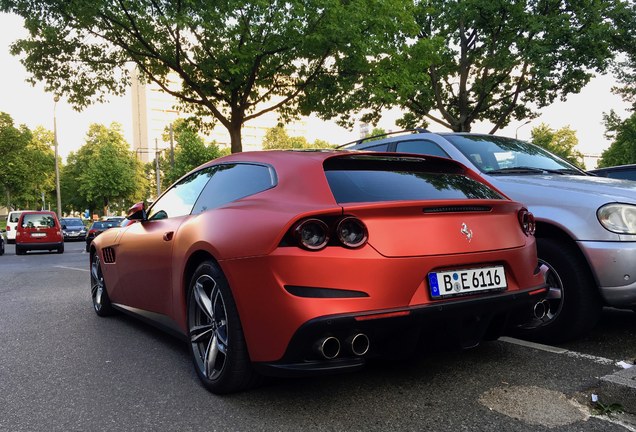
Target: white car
pixel 12 223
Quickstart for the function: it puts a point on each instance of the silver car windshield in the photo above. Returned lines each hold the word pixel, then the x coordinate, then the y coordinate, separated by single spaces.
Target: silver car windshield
pixel 500 155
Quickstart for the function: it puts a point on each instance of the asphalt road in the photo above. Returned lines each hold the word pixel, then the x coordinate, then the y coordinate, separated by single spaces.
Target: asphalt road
pixel 62 368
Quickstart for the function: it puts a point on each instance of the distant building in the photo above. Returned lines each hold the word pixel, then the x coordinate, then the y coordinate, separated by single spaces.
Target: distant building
pixel 153 110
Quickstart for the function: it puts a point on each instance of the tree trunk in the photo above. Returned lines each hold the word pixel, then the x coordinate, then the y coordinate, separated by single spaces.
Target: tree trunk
pixel 235 136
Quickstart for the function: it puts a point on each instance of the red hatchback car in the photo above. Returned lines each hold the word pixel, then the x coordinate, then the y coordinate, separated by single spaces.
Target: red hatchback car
pixel 38 230
pixel 289 263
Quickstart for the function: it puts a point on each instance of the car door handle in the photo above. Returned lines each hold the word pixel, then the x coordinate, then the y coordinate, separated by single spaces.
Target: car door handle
pixel 168 235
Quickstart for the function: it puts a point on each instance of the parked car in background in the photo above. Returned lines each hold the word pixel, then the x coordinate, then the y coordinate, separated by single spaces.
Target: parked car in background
pixel 118 219
pixel 73 229
pixel 12 223
pixel 290 263
pixel 96 229
pixel 38 230
pixel 586 225
pixel 624 172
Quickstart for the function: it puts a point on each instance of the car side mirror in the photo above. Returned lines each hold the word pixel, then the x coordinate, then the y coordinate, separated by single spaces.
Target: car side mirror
pixel 137 212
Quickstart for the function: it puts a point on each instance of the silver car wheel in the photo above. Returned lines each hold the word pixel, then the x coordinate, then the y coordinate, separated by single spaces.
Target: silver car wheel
pixel 208 327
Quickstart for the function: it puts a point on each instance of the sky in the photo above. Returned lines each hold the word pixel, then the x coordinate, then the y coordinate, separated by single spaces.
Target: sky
pixel 32 106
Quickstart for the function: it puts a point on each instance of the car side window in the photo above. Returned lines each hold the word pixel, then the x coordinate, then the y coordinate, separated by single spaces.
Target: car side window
pixel 378 148
pixel 180 198
pixel 424 147
pixel 231 182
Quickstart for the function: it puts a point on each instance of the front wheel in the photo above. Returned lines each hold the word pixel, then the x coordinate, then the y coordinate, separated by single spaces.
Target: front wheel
pixel 573 305
pixel 101 301
pixel 217 343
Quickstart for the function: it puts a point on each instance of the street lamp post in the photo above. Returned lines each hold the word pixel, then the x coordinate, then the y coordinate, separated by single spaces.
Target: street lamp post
pixel 522 125
pixel 57 168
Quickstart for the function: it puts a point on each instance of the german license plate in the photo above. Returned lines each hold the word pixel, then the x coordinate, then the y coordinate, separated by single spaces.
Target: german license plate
pixel 38 234
pixel 469 281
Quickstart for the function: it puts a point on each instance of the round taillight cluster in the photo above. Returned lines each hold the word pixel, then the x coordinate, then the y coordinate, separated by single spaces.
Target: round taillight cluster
pixel 528 224
pixel 352 232
pixel 314 234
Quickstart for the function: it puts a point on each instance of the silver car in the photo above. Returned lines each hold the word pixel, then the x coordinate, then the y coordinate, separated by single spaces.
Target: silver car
pixel 586 225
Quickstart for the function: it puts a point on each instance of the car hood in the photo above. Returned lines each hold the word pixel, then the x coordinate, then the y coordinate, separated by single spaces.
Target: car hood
pixel 556 188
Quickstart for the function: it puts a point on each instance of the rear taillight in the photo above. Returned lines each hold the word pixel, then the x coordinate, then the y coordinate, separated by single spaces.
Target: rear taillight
pixel 527 222
pixel 352 233
pixel 8 228
pixel 315 234
pixel 312 234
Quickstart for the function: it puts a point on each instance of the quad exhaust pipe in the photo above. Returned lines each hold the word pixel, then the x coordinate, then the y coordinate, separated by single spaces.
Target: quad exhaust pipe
pixel 541 309
pixel 358 344
pixel 329 347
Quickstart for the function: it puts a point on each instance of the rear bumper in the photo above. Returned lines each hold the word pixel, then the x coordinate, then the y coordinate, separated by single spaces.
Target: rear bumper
pixel 39 246
pixel 463 323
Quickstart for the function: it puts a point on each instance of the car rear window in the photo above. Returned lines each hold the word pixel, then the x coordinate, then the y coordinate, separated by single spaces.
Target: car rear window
pixel 38 221
pixel 14 217
pixel 384 179
pixel 72 222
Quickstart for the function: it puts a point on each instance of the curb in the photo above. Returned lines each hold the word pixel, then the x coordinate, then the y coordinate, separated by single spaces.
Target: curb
pixel 619 387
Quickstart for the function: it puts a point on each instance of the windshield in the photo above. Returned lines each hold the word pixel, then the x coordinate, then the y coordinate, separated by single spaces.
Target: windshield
pixel 499 155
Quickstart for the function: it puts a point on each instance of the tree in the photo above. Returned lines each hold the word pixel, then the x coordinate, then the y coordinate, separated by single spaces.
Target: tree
pixel 235 59
pixel 623 148
pixel 28 163
pixel 496 60
pixel 103 171
pixel 277 138
pixel 561 142
pixel 40 158
pixel 190 151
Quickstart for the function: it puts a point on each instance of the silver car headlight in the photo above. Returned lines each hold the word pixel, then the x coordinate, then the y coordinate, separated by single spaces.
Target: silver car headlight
pixel 618 218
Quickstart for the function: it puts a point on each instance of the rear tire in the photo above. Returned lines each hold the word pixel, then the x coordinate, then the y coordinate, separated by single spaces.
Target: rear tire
pixel 60 249
pixel 217 344
pixel 19 250
pixel 575 303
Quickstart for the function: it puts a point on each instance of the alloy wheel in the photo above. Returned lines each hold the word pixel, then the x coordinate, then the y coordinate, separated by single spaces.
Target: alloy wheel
pixel 208 325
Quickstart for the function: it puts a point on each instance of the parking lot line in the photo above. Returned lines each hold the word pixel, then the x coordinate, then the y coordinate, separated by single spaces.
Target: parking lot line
pixel 72 268
pixel 557 350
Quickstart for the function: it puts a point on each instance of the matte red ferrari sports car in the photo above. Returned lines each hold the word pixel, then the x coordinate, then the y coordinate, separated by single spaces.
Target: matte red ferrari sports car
pixel 291 263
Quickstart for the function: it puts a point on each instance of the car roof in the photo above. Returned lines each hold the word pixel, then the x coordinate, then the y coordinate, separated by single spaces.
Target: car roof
pixel 615 168
pixel 307 166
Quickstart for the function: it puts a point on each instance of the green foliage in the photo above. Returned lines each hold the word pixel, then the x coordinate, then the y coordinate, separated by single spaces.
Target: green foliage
pixel 561 142
pixel 236 59
pixel 496 60
pixel 625 68
pixel 103 172
pixel 28 164
pixel 623 135
pixel 189 152
pixel 276 138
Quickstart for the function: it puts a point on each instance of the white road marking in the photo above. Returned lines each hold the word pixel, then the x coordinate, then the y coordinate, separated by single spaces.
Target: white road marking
pixel 556 350
pixel 72 268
